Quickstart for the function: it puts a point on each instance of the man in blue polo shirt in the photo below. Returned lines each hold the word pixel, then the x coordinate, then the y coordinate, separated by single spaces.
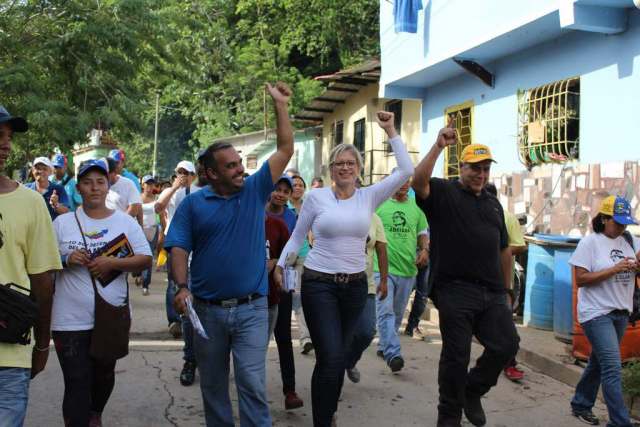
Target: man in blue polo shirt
pixel 222 227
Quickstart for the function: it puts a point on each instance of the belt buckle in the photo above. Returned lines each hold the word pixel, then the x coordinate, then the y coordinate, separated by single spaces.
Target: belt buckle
pixel 341 278
pixel 229 303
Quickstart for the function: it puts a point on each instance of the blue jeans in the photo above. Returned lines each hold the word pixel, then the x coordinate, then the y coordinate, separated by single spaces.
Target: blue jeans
pixel 172 316
pixel 364 333
pixel 332 311
pixel 389 312
pixel 242 332
pixel 604 367
pixel 14 394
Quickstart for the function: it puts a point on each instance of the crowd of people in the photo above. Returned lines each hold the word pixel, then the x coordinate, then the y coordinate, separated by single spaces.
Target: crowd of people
pixel 248 252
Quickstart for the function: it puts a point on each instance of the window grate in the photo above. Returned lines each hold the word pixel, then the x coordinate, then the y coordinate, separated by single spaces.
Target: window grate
pixel 462 116
pixel 549 123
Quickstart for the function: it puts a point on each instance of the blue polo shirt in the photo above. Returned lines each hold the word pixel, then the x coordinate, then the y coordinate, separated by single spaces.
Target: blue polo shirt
pixel 62 196
pixel 226 238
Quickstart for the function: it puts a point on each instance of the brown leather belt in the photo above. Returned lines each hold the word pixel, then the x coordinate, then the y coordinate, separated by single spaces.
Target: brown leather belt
pixel 340 278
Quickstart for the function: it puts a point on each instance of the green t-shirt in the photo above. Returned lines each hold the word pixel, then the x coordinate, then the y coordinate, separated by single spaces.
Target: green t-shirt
pixel 402 222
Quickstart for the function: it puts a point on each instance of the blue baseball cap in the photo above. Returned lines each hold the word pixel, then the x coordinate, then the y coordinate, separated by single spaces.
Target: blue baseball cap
pixel 99 165
pixel 619 209
pixel 116 154
pixel 287 179
pixel 59 161
pixel 148 178
pixel 18 124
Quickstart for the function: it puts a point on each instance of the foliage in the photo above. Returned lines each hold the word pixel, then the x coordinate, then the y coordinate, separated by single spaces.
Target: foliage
pixel 631 379
pixel 70 65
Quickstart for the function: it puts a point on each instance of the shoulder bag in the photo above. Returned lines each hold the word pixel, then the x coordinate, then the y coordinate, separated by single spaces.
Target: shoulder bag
pixel 110 335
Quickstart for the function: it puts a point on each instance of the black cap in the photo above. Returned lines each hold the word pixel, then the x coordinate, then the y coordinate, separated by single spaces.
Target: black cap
pixel 18 124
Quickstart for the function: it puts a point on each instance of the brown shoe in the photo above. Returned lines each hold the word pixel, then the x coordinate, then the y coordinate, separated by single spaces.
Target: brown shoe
pixel 292 401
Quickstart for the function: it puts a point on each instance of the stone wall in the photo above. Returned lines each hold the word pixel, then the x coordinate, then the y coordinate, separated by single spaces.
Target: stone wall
pixel 562 199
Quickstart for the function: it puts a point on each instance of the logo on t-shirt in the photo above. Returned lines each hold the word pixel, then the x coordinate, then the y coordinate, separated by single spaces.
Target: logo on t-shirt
pixel 399 221
pixel 96 234
pixel 623 277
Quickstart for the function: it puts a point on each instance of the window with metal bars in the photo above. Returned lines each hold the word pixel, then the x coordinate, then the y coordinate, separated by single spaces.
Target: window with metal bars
pixel 462 116
pixel 549 123
pixel 394 107
pixel 338 132
pixel 359 135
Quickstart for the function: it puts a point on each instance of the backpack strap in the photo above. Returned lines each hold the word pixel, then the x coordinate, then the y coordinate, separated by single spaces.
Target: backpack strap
pixel 629 238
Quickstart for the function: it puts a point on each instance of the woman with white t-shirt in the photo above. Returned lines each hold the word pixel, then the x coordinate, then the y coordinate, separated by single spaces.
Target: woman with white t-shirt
pixel 150 226
pixel 334 282
pixel 88 382
pixel 605 269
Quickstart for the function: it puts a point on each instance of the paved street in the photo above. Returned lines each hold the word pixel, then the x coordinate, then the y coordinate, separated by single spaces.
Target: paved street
pixel 148 393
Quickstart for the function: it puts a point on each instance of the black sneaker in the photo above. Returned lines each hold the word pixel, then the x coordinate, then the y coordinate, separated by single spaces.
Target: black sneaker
pixel 188 374
pixel 408 331
pixel 380 354
pixel 586 417
pixel 396 364
pixel 473 411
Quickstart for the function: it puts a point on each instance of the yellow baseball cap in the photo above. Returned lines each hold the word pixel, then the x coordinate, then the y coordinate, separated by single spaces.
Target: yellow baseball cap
pixel 618 208
pixel 474 153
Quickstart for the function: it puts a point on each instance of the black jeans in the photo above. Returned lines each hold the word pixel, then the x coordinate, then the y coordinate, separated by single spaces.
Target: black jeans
pixel 87 382
pixel 420 298
pixel 282 333
pixel 466 310
pixel 332 312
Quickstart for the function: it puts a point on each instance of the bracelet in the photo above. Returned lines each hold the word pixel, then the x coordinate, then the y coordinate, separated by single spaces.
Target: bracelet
pixel 43 349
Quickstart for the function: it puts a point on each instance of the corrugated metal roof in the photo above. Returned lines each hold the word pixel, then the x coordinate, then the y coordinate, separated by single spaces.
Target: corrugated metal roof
pixel 340 86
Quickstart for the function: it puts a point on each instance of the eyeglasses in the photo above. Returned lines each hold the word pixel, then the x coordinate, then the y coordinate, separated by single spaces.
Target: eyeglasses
pixel 349 163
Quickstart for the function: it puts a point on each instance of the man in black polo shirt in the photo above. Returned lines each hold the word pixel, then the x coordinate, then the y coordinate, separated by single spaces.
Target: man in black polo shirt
pixel 470 268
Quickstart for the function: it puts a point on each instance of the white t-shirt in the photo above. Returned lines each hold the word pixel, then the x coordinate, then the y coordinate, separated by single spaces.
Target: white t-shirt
pixel 340 227
pixel 149 220
pixel 73 300
pixel 175 201
pixel 122 194
pixel 597 252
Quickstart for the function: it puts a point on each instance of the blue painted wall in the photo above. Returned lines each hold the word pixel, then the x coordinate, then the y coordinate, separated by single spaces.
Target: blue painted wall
pixel 609 67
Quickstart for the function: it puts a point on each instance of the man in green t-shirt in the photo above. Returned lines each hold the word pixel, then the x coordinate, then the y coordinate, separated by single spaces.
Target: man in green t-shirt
pixel 405 227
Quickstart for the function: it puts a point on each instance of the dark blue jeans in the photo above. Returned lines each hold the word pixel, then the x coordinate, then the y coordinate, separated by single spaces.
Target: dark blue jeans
pixel 364 333
pixel 467 310
pixel 332 312
pixel 604 367
pixel 172 316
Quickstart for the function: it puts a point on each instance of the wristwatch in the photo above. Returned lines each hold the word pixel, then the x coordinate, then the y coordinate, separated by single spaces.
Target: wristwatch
pixel 182 286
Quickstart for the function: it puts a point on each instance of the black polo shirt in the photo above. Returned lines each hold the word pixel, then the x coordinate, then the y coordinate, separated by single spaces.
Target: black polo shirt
pixel 468 233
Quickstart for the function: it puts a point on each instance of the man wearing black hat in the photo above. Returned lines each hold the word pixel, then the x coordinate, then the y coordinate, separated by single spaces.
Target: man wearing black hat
pixel 28 255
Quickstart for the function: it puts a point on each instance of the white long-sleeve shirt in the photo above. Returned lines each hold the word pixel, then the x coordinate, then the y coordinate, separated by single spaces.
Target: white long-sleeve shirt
pixel 340 227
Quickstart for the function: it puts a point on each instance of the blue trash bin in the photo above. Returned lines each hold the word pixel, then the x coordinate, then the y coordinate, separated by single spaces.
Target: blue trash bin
pixel 548 297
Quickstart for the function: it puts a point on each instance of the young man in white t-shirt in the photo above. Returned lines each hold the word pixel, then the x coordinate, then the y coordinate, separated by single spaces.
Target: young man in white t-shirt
pixel 123 194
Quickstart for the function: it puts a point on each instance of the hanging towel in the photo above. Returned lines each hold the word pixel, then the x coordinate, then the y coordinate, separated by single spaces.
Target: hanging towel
pixel 405 13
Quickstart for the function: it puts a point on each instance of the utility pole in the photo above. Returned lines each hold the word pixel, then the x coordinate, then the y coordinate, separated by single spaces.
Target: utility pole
pixel 155 138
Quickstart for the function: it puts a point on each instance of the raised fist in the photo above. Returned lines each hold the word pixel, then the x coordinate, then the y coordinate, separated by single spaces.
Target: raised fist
pixel 280 92
pixel 448 135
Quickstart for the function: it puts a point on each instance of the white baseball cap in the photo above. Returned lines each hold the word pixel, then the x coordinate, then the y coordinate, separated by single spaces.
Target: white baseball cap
pixel 43 161
pixel 186 165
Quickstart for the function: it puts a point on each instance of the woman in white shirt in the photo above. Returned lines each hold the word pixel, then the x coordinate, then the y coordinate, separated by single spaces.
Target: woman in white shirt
pixel 605 268
pixel 149 226
pixel 334 282
pixel 88 382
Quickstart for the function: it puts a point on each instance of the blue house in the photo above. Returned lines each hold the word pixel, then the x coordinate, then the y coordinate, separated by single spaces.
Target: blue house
pixel 552 86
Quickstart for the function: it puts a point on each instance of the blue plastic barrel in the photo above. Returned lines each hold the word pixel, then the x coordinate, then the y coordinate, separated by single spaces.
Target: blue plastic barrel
pixel 538 300
pixel 562 295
